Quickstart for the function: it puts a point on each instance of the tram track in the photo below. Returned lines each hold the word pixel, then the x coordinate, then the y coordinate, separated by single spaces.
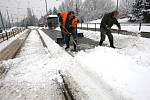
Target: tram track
pixel 63 84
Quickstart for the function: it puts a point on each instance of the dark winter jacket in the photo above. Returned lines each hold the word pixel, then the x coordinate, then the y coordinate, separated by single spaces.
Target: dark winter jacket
pixel 108 20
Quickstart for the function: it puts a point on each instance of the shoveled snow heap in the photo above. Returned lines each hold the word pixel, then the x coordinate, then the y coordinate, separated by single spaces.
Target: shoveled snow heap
pixel 127 69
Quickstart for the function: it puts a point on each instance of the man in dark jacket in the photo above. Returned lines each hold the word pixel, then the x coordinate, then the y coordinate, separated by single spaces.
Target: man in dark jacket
pixel 107 22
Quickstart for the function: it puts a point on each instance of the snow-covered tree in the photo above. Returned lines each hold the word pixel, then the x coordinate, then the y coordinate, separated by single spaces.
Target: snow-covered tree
pixel 146 11
pixel 5 22
pixel 50 12
pixel 71 5
pixel 67 5
pixel 94 9
pixel 126 7
pixel 141 10
pixel 137 8
pixel 55 11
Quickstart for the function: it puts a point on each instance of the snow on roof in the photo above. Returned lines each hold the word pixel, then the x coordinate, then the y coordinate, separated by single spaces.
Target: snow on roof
pixel 52 16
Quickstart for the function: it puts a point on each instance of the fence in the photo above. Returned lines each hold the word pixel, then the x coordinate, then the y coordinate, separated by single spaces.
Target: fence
pixel 96 27
pixel 6 35
pixel 89 26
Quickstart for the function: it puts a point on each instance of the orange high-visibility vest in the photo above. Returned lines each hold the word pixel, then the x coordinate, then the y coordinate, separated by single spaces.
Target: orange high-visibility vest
pixel 64 17
pixel 74 23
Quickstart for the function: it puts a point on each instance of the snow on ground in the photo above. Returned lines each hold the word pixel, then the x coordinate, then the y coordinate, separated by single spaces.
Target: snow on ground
pixel 126 69
pixel 102 73
pixel 134 28
pixel 124 20
pixel 31 73
pixel 95 89
pixel 120 71
pixel 10 40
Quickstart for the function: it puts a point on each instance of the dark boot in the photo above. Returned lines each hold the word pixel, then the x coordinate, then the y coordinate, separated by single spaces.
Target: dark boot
pixel 112 44
pixel 66 48
pixel 100 43
pixel 113 47
pixel 75 46
pixel 67 45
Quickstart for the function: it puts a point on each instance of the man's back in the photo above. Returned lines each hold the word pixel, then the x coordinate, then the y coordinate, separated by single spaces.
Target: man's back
pixel 108 20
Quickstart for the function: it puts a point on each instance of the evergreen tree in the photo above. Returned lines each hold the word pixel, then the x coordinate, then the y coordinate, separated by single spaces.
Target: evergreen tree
pixel 141 10
pixel 146 11
pixel 94 9
pixel 50 12
pixel 137 8
pixel 55 11
pixel 125 7
pixel 71 5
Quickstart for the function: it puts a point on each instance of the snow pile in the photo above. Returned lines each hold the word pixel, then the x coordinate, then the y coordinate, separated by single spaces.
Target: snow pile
pixel 120 72
pixel 136 47
pixel 114 73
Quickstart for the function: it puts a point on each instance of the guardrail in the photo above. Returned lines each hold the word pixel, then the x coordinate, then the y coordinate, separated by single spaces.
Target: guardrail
pixel 7 35
pixel 96 27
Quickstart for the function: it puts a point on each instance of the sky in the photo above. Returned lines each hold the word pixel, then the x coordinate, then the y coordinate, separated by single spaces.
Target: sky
pixel 17 9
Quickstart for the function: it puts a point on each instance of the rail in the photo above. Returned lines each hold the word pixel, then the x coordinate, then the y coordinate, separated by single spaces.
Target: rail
pixel 63 86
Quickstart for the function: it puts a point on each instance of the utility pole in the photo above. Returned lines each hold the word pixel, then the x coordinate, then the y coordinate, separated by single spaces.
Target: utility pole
pixel 17 22
pixel 76 8
pixel 12 20
pixel 117 4
pixel 2 20
pixel 46 7
pixel 24 21
pixel 8 19
pixel 3 24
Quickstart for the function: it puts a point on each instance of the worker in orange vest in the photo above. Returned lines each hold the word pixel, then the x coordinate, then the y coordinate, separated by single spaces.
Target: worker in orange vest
pixel 69 29
pixel 74 24
pixel 62 19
